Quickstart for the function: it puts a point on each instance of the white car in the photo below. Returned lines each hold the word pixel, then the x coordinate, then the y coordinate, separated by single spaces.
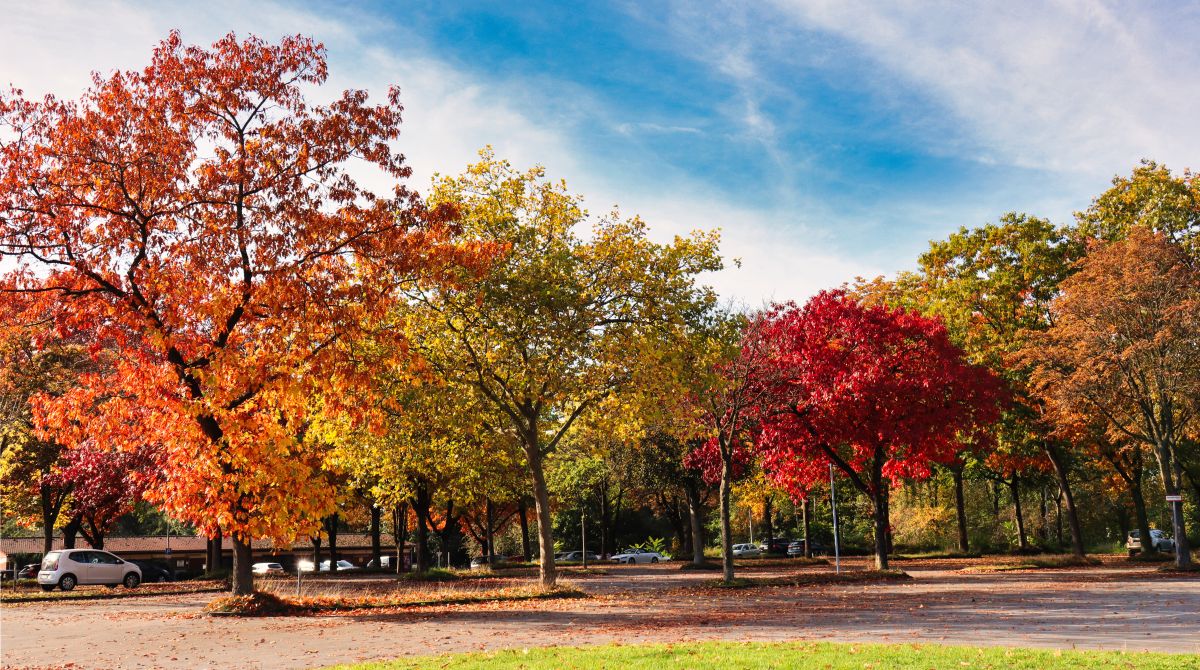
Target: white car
pixel 746 551
pixel 267 569
pixel 67 568
pixel 1158 539
pixel 342 566
pixel 638 556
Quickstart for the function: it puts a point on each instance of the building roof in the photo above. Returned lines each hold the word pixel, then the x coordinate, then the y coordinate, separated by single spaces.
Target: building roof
pixel 178 543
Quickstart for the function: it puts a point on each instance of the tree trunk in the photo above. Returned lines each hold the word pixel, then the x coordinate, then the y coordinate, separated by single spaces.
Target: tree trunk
pixel 960 509
pixel 1061 468
pixel 400 523
pixel 1169 470
pixel 70 531
pixel 695 515
pixel 1014 488
pixel 490 548
pixel 541 500
pixel 316 561
pixel 376 549
pixel 726 526
pixel 243 575
pixel 882 525
pixel 1043 517
pixel 526 549
pixel 218 551
pixel 1139 511
pixel 331 523
pixel 768 525
pixel 422 543
pixel 806 521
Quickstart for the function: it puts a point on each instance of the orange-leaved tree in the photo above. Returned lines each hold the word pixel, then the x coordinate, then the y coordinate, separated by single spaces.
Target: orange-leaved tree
pixel 201 216
pixel 1122 348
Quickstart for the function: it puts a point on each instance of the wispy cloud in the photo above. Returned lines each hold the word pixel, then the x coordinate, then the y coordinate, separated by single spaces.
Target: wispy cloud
pixel 1072 85
pixel 449 115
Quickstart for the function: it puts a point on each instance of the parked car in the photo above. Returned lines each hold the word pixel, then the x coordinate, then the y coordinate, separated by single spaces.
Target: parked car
pixel 342 566
pixel 481 562
pixel 746 551
pixel 67 568
pixel 268 569
pixel 638 556
pixel 777 545
pixel 28 572
pixel 305 566
pixel 1158 539
pixel 384 562
pixel 153 572
pixel 576 556
pixel 796 548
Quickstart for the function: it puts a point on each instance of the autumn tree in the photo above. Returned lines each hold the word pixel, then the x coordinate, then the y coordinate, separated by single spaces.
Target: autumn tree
pixel 1151 197
pixel 993 286
pixel 881 393
pixel 1123 347
pixel 552 329
pixel 31 482
pixel 200 215
pixel 728 376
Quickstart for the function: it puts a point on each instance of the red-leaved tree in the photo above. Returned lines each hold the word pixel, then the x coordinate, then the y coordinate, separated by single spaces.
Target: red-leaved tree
pixel 879 392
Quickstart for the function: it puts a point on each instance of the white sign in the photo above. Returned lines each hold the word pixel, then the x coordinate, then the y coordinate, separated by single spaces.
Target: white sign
pixel 1175 498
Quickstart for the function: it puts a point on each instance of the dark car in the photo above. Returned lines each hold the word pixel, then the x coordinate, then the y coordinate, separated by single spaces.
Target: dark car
pixel 778 545
pixel 796 549
pixel 576 556
pixel 28 572
pixel 153 572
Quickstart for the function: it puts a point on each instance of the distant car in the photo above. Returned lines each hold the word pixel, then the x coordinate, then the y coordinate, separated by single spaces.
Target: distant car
pixel 778 545
pixel 481 562
pixel 67 568
pixel 28 572
pixel 342 566
pixel 638 556
pixel 746 551
pixel 305 566
pixel 1158 539
pixel 153 572
pixel 576 556
pixel 796 549
pixel 268 569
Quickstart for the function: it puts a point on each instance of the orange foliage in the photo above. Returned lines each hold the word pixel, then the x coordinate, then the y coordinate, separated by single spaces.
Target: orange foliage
pixel 200 218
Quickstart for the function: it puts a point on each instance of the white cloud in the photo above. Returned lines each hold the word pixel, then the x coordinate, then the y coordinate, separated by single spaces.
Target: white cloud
pixel 449 115
pixel 1074 85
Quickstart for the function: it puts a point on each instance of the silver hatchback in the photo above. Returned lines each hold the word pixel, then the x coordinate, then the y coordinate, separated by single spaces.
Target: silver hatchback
pixel 67 568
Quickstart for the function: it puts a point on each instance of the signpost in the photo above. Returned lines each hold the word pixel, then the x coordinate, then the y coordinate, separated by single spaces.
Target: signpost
pixel 837 558
pixel 1175 498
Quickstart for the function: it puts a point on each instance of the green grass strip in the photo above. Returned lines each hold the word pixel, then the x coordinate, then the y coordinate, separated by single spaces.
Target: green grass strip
pixel 755 655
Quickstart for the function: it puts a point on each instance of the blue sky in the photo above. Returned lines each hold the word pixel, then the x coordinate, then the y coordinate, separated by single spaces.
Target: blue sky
pixel 825 139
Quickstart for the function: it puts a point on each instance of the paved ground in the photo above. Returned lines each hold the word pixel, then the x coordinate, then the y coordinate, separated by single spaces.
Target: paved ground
pixel 1108 607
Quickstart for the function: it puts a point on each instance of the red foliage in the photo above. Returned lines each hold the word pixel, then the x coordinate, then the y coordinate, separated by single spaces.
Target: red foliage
pixel 706 459
pixel 880 392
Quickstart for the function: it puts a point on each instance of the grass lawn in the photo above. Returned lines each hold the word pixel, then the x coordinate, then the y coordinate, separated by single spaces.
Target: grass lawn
pixel 748 655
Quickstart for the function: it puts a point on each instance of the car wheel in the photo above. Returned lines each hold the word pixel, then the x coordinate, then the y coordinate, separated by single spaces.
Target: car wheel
pixel 47 587
pixel 162 579
pixel 653 559
pixel 67 583
pixel 132 580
